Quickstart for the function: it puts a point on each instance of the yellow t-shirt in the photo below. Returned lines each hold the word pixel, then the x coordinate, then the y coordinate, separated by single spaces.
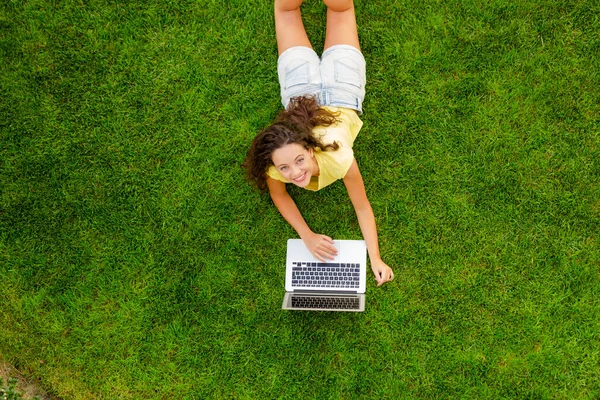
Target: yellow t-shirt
pixel 333 164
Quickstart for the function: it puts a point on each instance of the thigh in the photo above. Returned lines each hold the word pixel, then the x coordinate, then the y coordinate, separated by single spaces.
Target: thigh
pixel 299 73
pixel 343 71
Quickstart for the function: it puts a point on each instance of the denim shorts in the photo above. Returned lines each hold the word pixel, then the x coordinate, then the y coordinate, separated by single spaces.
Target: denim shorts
pixel 336 79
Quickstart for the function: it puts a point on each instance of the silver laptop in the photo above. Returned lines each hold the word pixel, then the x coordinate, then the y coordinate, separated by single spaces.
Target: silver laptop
pixel 336 285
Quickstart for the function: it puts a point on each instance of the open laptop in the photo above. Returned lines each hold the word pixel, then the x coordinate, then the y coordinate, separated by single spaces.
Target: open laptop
pixel 337 285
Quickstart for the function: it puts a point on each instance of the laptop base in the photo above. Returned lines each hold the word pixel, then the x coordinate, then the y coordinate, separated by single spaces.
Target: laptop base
pixel 304 301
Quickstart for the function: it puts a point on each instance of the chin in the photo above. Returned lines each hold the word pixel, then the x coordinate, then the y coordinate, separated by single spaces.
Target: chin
pixel 302 184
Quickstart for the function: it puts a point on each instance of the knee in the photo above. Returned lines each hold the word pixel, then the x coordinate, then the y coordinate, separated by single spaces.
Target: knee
pixel 287 5
pixel 339 5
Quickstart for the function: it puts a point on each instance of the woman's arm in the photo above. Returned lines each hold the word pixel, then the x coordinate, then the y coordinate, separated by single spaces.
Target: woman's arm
pixel 356 190
pixel 320 246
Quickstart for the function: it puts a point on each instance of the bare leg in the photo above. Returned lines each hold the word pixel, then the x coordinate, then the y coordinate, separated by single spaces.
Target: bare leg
pixel 341 24
pixel 289 28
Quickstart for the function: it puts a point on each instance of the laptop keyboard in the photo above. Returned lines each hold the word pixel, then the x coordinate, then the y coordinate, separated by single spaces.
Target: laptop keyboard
pixel 325 275
pixel 331 303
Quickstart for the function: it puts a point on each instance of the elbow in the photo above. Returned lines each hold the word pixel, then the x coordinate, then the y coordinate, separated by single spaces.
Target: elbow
pixel 279 198
pixel 363 208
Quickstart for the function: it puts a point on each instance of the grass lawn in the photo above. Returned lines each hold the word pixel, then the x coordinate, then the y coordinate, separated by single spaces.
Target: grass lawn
pixel 136 262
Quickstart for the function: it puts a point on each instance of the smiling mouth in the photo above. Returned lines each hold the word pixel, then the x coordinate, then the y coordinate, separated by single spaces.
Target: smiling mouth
pixel 301 178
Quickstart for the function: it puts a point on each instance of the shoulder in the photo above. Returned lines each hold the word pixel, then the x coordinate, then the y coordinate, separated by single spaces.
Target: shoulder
pixel 346 129
pixel 274 174
pixel 353 170
pixel 346 115
pixel 276 187
pixel 335 163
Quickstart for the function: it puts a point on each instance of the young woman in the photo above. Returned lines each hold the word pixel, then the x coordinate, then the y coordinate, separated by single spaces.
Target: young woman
pixel 310 143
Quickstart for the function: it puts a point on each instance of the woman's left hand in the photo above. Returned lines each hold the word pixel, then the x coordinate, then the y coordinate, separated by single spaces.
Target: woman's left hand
pixel 382 272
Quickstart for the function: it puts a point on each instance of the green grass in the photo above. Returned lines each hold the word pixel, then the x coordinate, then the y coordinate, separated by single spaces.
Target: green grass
pixel 135 262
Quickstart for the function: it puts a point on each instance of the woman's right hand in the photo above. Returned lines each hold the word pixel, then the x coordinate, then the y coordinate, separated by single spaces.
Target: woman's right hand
pixel 320 246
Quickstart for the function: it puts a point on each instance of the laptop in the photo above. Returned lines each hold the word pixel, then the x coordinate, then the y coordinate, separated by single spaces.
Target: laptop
pixel 336 285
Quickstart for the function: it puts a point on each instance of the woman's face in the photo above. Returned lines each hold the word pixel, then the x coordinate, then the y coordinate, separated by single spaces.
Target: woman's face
pixel 295 163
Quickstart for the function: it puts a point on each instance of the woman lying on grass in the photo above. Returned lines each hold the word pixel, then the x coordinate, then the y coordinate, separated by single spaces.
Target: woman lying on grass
pixel 310 143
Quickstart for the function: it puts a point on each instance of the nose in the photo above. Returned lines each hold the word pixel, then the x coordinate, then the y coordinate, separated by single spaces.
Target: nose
pixel 296 171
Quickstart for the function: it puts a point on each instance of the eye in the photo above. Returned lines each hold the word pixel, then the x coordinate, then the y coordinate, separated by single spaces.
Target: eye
pixel 300 161
pixel 283 168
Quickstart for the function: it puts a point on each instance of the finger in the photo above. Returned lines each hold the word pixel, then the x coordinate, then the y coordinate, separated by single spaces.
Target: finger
pixel 331 247
pixel 323 254
pixel 318 256
pixel 332 250
pixel 387 276
pixel 328 239
pixel 329 255
pixel 379 279
pixel 329 250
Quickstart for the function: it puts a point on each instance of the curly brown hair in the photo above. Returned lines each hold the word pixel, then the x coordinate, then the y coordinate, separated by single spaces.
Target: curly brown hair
pixel 293 125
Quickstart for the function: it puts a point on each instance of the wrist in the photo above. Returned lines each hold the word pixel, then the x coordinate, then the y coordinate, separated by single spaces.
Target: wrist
pixel 375 259
pixel 305 234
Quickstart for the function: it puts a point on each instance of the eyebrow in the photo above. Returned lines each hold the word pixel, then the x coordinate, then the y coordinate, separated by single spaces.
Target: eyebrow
pixel 299 155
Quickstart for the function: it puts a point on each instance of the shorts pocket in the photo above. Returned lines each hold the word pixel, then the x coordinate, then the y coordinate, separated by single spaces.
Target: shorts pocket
pixel 297 74
pixel 346 71
pixel 346 101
